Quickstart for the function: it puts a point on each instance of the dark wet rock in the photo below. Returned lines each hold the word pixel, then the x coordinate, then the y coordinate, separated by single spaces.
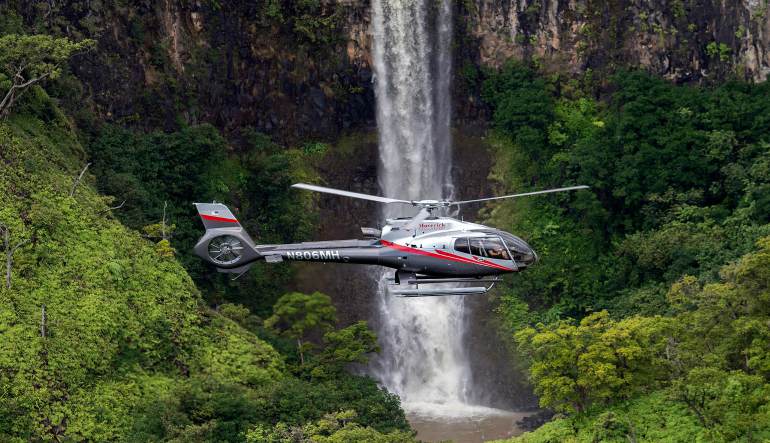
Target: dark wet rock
pixel 670 39
pixel 534 421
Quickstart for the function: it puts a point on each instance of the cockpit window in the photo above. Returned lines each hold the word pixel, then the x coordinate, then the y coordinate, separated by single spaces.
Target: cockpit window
pixel 522 252
pixel 461 245
pixel 491 247
pixel 516 244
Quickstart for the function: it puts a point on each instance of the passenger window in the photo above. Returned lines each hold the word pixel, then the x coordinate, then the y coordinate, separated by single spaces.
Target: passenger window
pixel 489 247
pixel 461 245
pixel 476 247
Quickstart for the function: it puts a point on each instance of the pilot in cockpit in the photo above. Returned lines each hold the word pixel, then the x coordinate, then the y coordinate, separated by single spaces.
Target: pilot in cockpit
pixel 498 253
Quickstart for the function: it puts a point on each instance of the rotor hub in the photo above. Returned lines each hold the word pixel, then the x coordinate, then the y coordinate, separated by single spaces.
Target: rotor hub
pixel 431 204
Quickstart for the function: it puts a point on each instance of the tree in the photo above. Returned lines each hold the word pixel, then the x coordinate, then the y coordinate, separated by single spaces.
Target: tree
pixel 731 405
pixel 26 60
pixel 599 359
pixel 295 314
pixel 352 344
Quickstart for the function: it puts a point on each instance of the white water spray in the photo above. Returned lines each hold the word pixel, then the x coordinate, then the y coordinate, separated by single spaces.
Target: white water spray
pixel 423 359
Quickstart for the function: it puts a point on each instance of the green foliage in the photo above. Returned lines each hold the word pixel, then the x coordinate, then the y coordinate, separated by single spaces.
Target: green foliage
pixel 599 360
pixel 300 316
pixel 234 355
pixel 295 401
pixel 718 51
pixel 710 356
pixel 296 314
pixel 207 409
pixel 105 331
pixel 677 175
pixel 352 344
pixel 161 173
pixel 310 22
pixel 665 241
pixel 339 427
pixel 25 60
pixel 648 418
pixel 523 107
pixel 105 338
pixel 732 406
pixel 37 55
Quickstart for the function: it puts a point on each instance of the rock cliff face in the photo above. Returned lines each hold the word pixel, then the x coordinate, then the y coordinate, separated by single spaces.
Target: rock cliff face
pixel 299 70
pixel 683 40
pixel 295 70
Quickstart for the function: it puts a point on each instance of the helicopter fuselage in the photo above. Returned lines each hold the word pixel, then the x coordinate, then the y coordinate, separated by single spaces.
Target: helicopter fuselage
pixel 437 246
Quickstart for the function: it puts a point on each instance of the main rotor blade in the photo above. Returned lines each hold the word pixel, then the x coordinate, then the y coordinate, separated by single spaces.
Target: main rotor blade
pixel 422 215
pixel 546 191
pixel 375 198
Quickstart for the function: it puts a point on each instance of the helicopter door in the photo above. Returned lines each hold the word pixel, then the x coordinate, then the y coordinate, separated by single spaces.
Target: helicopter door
pixel 490 248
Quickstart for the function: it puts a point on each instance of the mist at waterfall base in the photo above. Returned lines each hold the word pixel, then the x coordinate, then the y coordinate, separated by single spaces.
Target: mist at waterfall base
pixel 424 359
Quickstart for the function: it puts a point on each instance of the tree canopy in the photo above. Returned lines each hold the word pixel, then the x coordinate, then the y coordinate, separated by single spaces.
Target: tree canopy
pixel 26 60
pixel 651 290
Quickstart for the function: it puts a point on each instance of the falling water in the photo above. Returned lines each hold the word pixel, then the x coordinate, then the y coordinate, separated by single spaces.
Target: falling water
pixel 423 358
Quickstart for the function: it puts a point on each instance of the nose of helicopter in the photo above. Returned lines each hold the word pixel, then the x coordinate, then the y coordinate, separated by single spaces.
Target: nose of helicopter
pixel 527 256
pixel 531 257
pixel 522 252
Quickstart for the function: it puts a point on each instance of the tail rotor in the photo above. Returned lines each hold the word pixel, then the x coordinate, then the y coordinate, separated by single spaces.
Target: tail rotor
pixel 225 244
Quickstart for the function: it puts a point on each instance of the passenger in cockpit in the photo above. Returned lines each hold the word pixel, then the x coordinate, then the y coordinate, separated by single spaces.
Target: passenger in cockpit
pixel 499 254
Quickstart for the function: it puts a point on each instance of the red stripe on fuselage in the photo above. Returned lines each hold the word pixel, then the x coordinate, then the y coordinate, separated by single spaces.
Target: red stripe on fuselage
pixel 443 255
pixel 474 260
pixel 219 219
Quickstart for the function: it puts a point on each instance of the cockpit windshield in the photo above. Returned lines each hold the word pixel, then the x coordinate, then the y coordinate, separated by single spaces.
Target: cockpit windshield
pixel 522 252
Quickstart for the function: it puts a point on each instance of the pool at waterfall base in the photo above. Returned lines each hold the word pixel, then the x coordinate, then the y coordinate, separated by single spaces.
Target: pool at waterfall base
pixel 462 423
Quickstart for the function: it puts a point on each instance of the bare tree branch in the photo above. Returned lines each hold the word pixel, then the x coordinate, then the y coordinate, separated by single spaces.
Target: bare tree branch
pixel 10 96
pixel 9 251
pixel 163 222
pixel 43 320
pixel 20 244
pixel 77 180
pixel 112 208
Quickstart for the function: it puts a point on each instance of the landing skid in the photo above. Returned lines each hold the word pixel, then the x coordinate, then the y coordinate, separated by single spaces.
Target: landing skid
pixel 406 278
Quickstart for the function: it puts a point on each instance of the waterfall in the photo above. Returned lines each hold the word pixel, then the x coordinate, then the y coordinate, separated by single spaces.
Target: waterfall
pixel 423 359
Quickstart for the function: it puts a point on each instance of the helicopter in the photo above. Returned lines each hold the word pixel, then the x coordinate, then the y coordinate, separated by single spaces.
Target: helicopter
pixel 425 249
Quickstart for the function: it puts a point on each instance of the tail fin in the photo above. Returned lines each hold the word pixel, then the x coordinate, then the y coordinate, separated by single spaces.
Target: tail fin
pixel 216 215
pixel 225 244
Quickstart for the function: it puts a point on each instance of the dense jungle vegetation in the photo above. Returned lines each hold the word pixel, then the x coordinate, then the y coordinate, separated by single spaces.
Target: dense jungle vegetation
pixel 105 336
pixel 648 317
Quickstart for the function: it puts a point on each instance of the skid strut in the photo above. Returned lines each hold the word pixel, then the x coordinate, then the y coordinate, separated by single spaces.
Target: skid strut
pixel 403 278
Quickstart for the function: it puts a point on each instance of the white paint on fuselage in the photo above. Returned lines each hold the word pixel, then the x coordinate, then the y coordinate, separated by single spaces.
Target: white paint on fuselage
pixel 426 236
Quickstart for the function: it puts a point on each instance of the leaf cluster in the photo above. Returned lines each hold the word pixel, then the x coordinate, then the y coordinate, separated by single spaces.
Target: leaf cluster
pixel 31 56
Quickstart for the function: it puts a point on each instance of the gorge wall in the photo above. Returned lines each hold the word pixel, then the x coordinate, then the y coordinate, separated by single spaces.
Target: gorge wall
pixel 299 70
pixel 683 40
